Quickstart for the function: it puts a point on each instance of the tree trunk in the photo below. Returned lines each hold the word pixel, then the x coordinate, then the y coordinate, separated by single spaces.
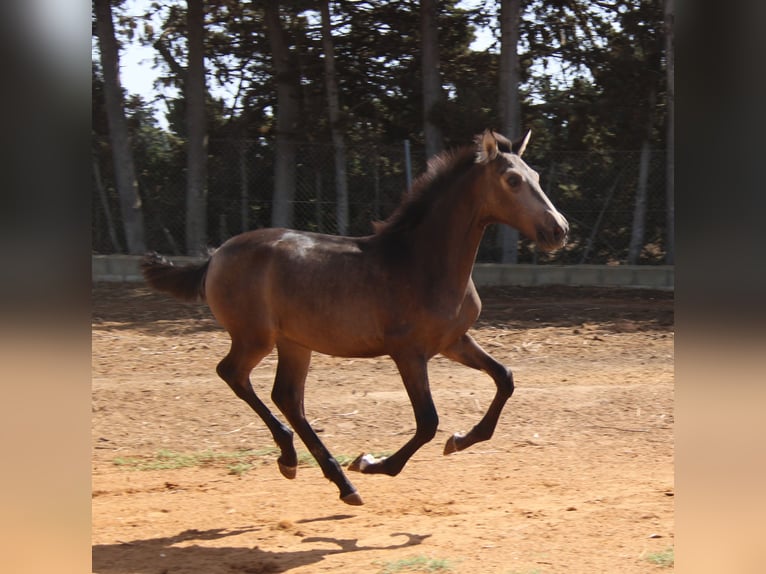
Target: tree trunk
pixel 432 85
pixel 196 158
pixel 288 117
pixel 597 225
pixel 244 186
pixel 670 244
pixel 509 103
pixel 124 169
pixel 333 105
pixel 116 247
pixel 639 209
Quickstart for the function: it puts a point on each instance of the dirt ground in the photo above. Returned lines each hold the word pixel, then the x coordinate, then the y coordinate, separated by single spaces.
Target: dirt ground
pixel 577 478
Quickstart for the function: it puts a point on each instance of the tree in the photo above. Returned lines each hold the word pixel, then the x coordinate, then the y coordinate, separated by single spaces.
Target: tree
pixel 670 139
pixel 196 162
pixel 124 169
pixel 631 77
pixel 638 229
pixel 580 76
pixel 288 117
pixel 509 101
pixel 432 85
pixel 333 108
pixel 604 93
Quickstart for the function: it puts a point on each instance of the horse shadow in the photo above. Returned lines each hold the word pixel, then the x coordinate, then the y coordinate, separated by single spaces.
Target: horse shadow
pixel 161 555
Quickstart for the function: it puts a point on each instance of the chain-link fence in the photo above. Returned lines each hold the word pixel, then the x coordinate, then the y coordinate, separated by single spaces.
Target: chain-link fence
pixel 595 191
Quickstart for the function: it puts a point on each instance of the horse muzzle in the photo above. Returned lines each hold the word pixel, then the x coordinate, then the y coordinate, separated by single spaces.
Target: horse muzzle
pixel 552 234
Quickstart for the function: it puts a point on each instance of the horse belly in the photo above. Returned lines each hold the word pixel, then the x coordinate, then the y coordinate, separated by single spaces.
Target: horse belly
pixel 341 331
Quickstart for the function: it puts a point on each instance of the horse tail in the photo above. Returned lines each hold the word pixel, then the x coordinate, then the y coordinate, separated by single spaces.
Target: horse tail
pixel 186 283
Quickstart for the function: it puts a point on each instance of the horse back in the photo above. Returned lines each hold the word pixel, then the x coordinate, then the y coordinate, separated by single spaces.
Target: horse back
pixel 306 287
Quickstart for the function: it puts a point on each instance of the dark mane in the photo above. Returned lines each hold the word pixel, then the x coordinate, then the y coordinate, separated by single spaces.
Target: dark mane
pixel 426 189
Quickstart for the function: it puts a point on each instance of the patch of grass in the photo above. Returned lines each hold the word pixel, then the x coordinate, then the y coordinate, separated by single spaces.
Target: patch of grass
pixel 239 468
pixel 263 452
pixel 344 459
pixel 666 558
pixel 306 459
pixel 162 460
pixel 415 564
pixel 238 462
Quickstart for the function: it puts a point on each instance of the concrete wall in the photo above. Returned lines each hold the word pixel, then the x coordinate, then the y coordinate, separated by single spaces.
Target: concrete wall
pixel 645 276
pixel 126 268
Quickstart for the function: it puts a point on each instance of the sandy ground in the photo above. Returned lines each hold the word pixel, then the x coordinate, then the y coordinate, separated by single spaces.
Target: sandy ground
pixel 577 478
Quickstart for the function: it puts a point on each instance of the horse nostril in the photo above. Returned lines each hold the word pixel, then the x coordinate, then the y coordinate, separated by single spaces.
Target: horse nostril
pixel 553 232
pixel 557 227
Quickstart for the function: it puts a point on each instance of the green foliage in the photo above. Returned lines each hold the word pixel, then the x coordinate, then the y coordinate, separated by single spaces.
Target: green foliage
pixel 415 564
pixel 237 462
pixel 592 83
pixel 169 460
pixel 666 558
pixel 239 468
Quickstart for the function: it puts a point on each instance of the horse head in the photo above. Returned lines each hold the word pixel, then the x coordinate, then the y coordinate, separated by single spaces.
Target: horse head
pixel 513 194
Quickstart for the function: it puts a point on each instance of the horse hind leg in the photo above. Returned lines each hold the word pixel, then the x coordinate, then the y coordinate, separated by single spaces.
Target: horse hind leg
pixel 468 352
pixel 288 394
pixel 235 369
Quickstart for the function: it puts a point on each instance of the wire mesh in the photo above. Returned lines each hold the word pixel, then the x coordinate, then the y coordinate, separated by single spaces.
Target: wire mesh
pixel 595 191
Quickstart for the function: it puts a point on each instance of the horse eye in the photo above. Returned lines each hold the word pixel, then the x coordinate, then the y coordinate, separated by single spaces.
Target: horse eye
pixel 514 180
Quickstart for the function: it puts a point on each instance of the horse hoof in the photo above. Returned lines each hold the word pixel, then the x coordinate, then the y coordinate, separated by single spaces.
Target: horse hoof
pixel 361 462
pixel 356 464
pixel 287 471
pixel 451 445
pixel 353 499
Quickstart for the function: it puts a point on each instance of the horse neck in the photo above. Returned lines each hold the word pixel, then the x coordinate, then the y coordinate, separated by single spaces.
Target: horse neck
pixel 447 240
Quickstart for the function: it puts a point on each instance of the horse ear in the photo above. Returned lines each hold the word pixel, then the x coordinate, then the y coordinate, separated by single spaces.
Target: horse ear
pixel 487 147
pixel 521 144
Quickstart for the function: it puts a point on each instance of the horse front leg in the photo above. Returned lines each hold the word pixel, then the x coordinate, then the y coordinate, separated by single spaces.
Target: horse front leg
pixel 288 393
pixel 415 376
pixel 468 352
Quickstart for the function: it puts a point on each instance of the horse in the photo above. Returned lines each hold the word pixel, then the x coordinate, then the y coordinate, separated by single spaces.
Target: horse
pixel 404 291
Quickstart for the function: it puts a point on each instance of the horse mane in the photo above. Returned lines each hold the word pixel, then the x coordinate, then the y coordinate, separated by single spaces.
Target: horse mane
pixel 426 189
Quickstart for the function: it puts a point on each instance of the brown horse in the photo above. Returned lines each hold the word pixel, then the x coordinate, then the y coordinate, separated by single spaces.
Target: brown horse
pixel 405 291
